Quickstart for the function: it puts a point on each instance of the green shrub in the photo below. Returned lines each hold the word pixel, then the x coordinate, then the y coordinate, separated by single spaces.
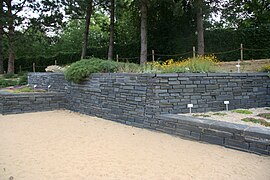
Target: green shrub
pixel 201 65
pixel 24 89
pixel 80 70
pixel 22 73
pixel 220 114
pixel 201 115
pixel 22 79
pixel 264 115
pixel 7 82
pixel 129 67
pixel 242 111
pixel 257 121
pixel 9 76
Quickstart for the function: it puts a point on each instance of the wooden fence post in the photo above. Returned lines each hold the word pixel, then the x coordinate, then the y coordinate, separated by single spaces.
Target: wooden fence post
pixel 153 55
pixel 34 67
pixel 194 51
pixel 242 53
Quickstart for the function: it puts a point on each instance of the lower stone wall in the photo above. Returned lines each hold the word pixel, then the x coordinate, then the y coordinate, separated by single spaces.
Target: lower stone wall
pixel 141 100
pixel 31 102
pixel 237 136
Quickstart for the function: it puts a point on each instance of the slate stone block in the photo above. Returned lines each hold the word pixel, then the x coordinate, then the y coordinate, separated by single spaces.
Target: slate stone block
pixel 212 139
pixel 238 144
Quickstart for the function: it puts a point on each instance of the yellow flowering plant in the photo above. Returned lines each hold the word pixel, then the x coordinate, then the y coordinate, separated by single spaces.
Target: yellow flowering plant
pixel 200 64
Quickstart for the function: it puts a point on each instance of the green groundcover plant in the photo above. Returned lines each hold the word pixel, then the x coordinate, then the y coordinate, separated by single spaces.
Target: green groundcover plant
pixel 80 70
pixel 7 80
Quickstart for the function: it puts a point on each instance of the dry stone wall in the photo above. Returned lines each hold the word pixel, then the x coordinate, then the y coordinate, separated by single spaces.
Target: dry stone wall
pixel 146 100
pixel 31 102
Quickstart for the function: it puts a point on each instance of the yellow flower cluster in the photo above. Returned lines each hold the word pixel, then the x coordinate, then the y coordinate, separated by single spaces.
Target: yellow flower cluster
pixel 266 68
pixel 185 64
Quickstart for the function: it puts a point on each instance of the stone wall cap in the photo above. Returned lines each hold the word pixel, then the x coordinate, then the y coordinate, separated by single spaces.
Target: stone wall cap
pixel 45 73
pixel 258 74
pixel 258 132
pixel 167 75
pixel 36 94
pixel 217 74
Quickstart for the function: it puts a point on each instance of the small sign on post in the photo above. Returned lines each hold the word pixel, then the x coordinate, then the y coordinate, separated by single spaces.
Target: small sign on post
pixel 238 67
pixel 227 105
pixel 35 87
pixel 49 87
pixel 190 106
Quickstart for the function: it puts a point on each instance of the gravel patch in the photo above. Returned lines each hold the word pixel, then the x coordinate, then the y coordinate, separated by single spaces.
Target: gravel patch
pixel 233 117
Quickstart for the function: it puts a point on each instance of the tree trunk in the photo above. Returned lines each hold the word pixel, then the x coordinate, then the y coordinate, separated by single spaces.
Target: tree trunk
pixel 111 43
pixel 200 30
pixel 11 31
pixel 143 54
pixel 87 27
pixel 1 40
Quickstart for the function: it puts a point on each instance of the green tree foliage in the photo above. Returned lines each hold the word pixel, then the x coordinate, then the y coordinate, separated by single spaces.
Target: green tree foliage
pixel 16 21
pixel 171 29
pixel 246 13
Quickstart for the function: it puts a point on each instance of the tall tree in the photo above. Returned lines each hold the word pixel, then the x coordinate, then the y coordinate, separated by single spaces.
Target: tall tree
pixel 111 43
pixel 143 54
pixel 11 32
pixel 1 38
pixel 200 29
pixel 89 11
pixel 81 9
pixel 16 16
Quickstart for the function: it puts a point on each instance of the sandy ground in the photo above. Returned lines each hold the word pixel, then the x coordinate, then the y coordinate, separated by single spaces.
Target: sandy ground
pixel 62 145
pixel 235 117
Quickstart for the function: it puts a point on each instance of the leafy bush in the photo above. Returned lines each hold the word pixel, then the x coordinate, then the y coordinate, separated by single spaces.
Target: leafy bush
pixel 9 76
pixel 13 80
pixel 7 82
pixel 80 70
pixel 22 79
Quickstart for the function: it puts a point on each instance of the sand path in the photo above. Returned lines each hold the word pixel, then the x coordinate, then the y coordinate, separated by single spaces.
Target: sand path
pixel 60 145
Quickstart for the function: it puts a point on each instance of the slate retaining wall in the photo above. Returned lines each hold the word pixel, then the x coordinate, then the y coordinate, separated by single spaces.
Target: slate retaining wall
pixel 31 102
pixel 165 93
pixel 237 136
pixel 142 99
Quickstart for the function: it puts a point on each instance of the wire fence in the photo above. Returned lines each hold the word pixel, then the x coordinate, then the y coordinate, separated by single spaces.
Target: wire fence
pixel 156 57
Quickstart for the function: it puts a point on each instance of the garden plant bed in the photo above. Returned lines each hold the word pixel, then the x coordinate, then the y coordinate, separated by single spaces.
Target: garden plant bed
pixel 236 117
pixel 21 89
